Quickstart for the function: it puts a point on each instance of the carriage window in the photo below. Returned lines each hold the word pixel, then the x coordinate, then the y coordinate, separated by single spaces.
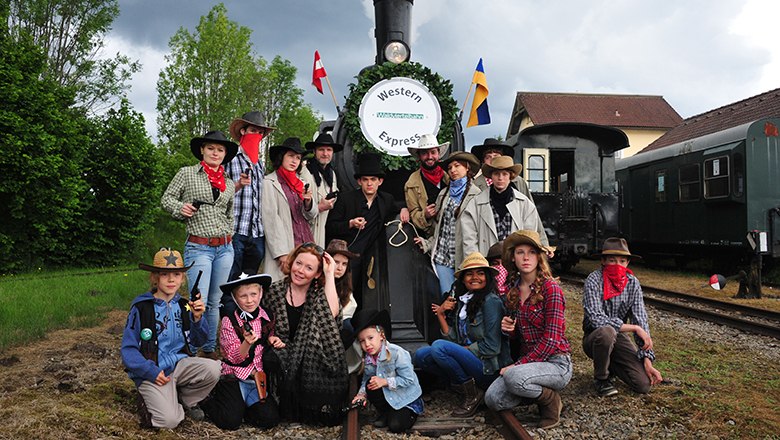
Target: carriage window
pixel 716 177
pixel 689 183
pixel 536 173
pixel 739 176
pixel 660 186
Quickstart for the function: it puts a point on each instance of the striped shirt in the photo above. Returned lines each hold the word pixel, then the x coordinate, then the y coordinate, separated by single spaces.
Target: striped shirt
pixel 246 204
pixel 190 184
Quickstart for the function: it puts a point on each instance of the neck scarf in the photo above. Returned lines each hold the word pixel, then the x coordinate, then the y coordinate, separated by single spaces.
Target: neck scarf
pixel 457 188
pixel 465 298
pixel 250 142
pixel 216 178
pixel 615 280
pixel 499 200
pixel 319 172
pixel 434 175
pixel 488 181
pixel 292 180
pixel 246 316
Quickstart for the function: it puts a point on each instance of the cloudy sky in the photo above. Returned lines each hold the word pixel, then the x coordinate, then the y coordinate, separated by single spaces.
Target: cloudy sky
pixel 697 54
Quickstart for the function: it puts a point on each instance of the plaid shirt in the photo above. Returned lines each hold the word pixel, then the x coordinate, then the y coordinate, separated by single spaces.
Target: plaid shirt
pixel 246 205
pixel 191 184
pixel 503 226
pixel 230 345
pixel 445 248
pixel 501 279
pixel 542 326
pixel 628 306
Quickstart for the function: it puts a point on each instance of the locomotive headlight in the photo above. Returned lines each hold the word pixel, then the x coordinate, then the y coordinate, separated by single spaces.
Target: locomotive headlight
pixel 396 52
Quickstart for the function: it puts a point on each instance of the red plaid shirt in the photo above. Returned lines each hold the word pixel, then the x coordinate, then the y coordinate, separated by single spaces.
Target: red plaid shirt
pixel 542 326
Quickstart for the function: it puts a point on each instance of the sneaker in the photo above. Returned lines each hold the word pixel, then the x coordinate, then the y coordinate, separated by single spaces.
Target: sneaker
pixel 195 413
pixel 604 388
pixel 380 421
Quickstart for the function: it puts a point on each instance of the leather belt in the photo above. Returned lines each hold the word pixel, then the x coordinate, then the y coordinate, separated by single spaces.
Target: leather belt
pixel 211 241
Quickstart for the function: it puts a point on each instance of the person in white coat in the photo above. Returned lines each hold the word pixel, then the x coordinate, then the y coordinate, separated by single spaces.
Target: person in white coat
pixel 319 173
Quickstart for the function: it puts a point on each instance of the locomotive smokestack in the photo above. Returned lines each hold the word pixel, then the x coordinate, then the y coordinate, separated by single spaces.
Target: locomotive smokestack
pixel 393 30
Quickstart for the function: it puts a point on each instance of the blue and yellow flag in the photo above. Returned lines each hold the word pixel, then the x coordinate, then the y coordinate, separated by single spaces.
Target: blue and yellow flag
pixel 480 115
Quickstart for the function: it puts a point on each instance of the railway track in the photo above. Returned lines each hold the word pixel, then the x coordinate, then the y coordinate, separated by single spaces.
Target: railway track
pixel 745 318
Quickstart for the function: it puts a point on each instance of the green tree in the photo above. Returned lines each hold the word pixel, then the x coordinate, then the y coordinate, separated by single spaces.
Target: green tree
pixel 71 33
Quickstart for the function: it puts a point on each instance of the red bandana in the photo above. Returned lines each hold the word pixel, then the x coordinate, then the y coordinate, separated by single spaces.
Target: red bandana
pixel 216 178
pixel 250 142
pixel 615 280
pixel 489 181
pixel 434 176
pixel 292 180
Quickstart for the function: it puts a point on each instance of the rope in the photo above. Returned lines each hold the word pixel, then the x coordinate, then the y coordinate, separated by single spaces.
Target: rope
pixel 401 231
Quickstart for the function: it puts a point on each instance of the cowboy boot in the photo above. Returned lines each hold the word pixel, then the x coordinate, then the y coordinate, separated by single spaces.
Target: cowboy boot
pixel 550 407
pixel 472 398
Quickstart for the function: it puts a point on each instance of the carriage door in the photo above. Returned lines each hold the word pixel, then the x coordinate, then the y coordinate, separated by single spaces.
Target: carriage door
pixel 536 169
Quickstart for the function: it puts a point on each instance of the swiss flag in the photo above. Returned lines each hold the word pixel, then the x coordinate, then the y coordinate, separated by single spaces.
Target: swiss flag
pixel 318 72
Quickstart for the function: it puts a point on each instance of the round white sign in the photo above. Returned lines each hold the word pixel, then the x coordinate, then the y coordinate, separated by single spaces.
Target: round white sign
pixel 396 112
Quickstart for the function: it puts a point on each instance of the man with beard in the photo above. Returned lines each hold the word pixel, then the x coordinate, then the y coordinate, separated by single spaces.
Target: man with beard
pixel 320 175
pixel 424 185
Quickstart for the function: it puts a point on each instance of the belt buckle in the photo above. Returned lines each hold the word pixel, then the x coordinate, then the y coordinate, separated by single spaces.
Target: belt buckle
pixel 214 241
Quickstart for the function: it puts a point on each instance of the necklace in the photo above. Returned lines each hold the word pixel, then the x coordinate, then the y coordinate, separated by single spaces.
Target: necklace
pixel 292 303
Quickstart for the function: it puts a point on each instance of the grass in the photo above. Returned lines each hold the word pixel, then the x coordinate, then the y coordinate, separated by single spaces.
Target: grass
pixel 32 306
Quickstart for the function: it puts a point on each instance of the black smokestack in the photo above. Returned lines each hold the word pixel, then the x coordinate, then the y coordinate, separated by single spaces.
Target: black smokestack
pixel 393 23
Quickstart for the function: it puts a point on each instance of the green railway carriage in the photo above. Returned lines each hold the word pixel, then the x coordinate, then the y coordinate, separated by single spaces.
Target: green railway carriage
pixel 704 196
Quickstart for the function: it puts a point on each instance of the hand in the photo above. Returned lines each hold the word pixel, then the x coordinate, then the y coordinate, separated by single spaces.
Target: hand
pixel 188 210
pixel 448 304
pixel 645 338
pixel 328 265
pixel 325 204
pixel 360 397
pixel 653 374
pixel 404 215
pixel 419 242
pixel 250 337
pixel 276 342
pixel 244 180
pixel 357 222
pixel 508 324
pixel 503 370
pixel 198 308
pixel 550 253
pixel 376 383
pixel 307 194
pixel 282 261
pixel 161 379
pixel 430 211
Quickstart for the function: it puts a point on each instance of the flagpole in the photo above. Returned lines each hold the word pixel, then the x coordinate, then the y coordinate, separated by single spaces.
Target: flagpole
pixel 332 95
pixel 466 101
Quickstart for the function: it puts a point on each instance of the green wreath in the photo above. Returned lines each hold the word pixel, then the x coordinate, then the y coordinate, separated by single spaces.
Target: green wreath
pixel 440 87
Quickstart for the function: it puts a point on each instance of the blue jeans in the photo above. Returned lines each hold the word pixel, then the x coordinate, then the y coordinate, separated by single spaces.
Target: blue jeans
pixel 215 262
pixel 446 277
pixel 447 359
pixel 522 384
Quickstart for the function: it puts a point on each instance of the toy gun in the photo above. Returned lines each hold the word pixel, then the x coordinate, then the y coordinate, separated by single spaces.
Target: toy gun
pixel 262 390
pixel 196 203
pixel 195 292
pixel 247 327
pixel 331 195
pixel 357 404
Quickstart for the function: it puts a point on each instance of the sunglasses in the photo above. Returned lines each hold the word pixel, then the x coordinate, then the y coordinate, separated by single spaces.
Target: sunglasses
pixel 315 246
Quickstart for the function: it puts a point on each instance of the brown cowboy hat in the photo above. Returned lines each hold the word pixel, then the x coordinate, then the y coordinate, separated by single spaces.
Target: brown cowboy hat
pixel 502 163
pixel 523 236
pixel 262 279
pixel 475 260
pixel 166 260
pixel 495 251
pixel 461 156
pixel 492 144
pixel 338 246
pixel 324 140
pixel 250 118
pixel 616 246
pixel 214 137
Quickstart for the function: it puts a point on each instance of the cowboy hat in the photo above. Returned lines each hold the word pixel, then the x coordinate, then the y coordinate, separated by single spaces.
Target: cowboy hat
pixel 251 118
pixel 369 164
pixel 214 137
pixel 166 260
pixel 263 279
pixel 475 260
pixel 365 318
pixel 337 246
pixel 324 140
pixel 615 246
pixel 502 163
pixel 523 236
pixel 461 156
pixel 428 142
pixel 492 144
pixel 291 143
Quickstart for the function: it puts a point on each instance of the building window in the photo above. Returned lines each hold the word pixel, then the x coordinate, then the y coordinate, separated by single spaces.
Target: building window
pixel 689 183
pixel 536 173
pixel 716 178
pixel 660 186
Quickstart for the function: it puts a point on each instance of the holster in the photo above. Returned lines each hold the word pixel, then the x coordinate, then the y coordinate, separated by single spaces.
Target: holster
pixel 260 382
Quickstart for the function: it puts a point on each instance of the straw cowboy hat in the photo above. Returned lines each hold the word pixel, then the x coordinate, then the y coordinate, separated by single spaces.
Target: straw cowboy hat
pixel 214 137
pixel 251 118
pixel 291 143
pixel 429 142
pixel 475 260
pixel 365 318
pixel 263 279
pixel 166 260
pixel 324 140
pixel 492 144
pixel 523 236
pixel 616 246
pixel 461 156
pixel 338 246
pixel 502 163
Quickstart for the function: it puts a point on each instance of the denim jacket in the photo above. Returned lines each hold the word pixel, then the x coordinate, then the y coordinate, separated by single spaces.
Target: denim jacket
pixel 488 344
pixel 403 387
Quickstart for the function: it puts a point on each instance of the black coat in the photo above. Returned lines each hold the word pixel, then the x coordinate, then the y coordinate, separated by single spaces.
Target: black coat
pixel 352 204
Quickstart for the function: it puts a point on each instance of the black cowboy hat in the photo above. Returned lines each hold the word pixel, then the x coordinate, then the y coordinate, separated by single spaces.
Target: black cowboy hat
pixel 324 140
pixel 369 164
pixel 492 144
pixel 214 137
pixel 291 143
pixel 364 318
pixel 262 279
pixel 166 260
pixel 250 118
